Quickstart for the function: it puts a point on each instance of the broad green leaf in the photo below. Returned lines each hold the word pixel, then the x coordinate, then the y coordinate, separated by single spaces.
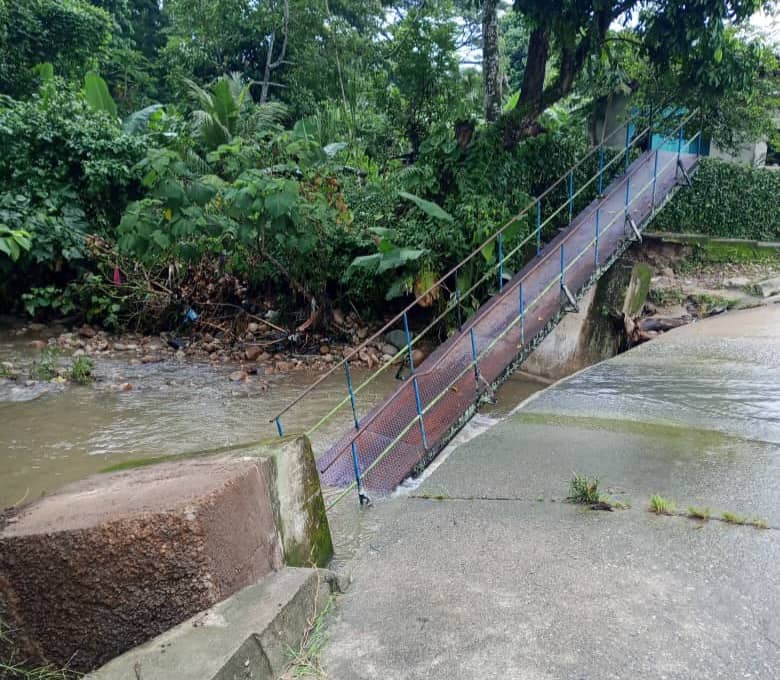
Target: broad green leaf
pixel 137 122
pixel 161 239
pixel 428 207
pixel 97 94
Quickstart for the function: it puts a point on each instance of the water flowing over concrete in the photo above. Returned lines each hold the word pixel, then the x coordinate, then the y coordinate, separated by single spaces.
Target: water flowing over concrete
pixel 485 571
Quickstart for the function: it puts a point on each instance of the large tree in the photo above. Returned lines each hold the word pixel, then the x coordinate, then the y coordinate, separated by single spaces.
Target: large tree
pixel 566 33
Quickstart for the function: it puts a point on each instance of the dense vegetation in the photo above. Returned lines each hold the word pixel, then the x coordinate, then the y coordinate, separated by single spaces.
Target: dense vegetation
pixel 728 200
pixel 235 155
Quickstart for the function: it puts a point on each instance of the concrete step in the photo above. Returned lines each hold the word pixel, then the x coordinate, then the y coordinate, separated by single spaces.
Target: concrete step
pixel 246 637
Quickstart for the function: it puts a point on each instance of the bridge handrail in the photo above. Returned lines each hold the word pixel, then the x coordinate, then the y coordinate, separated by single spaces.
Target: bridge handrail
pixel 519 319
pixel 439 283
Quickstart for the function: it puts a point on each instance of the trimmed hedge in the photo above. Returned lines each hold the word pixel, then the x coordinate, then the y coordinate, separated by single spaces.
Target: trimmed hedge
pixel 727 200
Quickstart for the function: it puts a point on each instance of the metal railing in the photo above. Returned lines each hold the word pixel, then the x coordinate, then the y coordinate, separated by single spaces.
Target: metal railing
pixel 455 303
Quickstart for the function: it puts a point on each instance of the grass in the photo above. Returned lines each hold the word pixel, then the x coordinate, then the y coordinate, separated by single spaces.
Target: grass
pixel 706 302
pixel 665 297
pixel 733 518
pixel 46 367
pixel 662 506
pixel 12 668
pixel 699 513
pixel 81 371
pixel 742 520
pixel 583 490
pixel 305 661
pixel 6 372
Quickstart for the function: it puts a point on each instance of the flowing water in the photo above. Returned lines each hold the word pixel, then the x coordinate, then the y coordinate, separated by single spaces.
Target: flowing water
pixel 52 434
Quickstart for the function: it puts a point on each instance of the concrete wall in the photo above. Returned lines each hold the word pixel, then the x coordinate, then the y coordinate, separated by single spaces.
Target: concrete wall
pixel 109 562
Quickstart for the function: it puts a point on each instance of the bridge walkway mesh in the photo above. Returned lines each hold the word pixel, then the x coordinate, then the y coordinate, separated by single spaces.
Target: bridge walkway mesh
pixel 388 443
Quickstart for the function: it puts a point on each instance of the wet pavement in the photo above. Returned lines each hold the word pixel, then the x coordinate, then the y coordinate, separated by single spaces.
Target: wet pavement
pixel 483 569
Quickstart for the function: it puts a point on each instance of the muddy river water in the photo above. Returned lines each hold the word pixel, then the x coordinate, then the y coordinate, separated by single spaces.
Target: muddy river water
pixel 52 434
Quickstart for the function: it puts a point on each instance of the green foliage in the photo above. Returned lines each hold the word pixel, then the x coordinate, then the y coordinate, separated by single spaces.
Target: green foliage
pixel 728 200
pixel 66 33
pixel 45 368
pixel 661 506
pixel 583 490
pixel 13 241
pixel 49 298
pixel 389 257
pixel 81 371
pixel 97 94
pixel 57 148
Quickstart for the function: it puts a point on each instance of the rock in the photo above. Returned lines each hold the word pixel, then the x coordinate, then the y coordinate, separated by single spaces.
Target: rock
pixel 284 366
pixel 668 272
pixel 238 376
pixel 150 359
pixel 265 356
pixel 338 317
pixel 362 333
pixel 253 352
pixel 123 387
pixel 180 354
pixel 418 356
pixel 327 357
pixel 736 282
pixel 324 349
pixel 87 331
pixel 79 353
pixel 769 287
pixel 387 348
pixel 253 327
pixel 7 365
pixel 396 338
pixel 120 347
pixel 39 344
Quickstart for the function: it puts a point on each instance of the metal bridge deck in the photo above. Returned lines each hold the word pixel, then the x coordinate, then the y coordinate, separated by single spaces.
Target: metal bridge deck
pixel 380 427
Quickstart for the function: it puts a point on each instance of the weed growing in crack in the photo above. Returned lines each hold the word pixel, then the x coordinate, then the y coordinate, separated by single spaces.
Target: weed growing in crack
pixel 661 506
pixel 583 490
pixel 699 513
pixel 733 518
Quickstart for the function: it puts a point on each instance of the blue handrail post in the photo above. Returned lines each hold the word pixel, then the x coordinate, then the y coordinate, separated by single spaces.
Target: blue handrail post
pixel 409 343
pixel 655 180
pixel 358 478
pixel 563 266
pixel 628 194
pixel 474 355
pixel 598 217
pixel 628 143
pixel 601 170
pixel 279 429
pixel 500 262
pixel 571 196
pixel 418 403
pixel 351 396
pixel 522 316
pixel 679 151
pixel 538 227
pixel 355 460
pixel 457 306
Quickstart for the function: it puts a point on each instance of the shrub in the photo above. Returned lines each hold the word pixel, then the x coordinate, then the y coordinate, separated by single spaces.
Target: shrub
pixel 727 200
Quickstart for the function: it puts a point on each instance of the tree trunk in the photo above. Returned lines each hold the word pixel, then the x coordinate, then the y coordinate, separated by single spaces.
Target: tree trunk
pixel 531 95
pixel 491 67
pixel 521 121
